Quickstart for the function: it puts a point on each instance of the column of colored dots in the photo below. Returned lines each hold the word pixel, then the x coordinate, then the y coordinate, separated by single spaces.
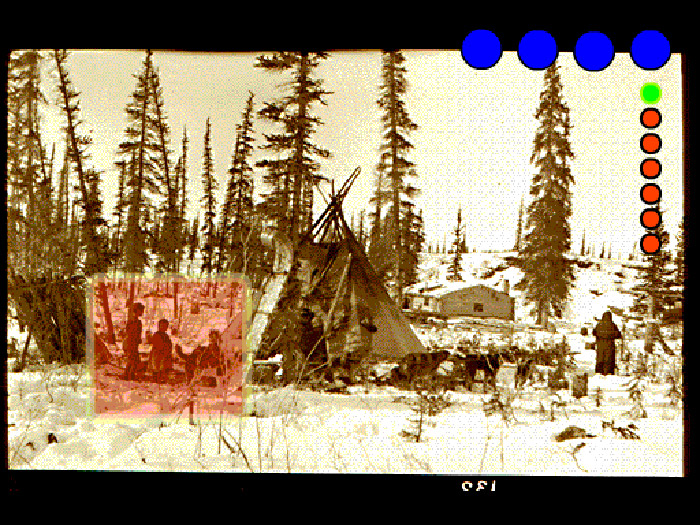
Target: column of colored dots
pixel 650 143
pixel 650 50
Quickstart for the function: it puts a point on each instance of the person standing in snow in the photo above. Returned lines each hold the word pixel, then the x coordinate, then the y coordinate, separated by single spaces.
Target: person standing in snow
pixel 605 332
pixel 132 341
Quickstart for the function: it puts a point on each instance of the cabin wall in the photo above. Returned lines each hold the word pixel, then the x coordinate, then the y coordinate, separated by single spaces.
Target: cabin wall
pixel 425 304
pixel 479 301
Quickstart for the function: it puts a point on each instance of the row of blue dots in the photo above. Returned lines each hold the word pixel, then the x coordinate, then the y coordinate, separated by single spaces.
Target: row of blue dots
pixel 594 51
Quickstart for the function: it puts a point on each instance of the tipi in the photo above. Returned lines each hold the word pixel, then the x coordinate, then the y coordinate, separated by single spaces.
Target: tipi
pixel 340 286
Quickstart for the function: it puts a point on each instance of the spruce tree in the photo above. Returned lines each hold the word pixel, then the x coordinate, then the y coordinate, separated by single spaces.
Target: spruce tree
pixel 237 212
pixel 655 277
pixel 519 228
pixel 193 241
pixel 209 185
pixel 394 165
pixel 119 208
pixel 168 245
pixel 142 147
pixel 94 239
pixel 25 161
pixel 583 244
pixel 182 197
pixel 292 171
pixel 454 271
pixel 548 273
pixel 413 238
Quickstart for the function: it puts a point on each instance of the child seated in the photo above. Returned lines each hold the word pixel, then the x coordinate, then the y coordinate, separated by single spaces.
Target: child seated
pixel 203 356
pixel 161 358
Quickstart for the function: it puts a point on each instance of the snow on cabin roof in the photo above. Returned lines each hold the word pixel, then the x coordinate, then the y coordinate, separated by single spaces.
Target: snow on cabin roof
pixel 439 289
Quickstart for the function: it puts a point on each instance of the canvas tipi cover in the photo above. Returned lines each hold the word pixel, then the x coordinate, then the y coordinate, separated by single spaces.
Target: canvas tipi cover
pixel 376 323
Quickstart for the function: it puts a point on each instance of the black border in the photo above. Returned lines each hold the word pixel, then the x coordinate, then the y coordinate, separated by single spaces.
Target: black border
pixel 244 32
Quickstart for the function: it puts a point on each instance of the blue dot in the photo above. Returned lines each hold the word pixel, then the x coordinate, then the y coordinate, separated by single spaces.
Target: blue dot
pixel 537 50
pixel 650 50
pixel 594 51
pixel 481 49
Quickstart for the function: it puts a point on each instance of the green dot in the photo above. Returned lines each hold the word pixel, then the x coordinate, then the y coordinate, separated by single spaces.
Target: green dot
pixel 651 93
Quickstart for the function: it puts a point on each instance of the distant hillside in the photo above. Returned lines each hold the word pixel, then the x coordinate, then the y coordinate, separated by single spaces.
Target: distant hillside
pixel 600 283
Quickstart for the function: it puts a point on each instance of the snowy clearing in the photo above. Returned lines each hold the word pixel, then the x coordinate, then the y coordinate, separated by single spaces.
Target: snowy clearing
pixel 298 430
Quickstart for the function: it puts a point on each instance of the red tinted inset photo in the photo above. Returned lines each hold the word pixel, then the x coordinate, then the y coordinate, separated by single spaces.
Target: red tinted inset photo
pixel 166 345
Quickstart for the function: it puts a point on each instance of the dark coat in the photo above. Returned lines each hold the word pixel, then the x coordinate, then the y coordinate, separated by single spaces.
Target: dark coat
pixel 131 349
pixel 133 337
pixel 605 333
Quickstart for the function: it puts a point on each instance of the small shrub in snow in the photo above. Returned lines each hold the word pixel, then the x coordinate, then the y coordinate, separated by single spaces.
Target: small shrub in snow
pixel 635 388
pixel 627 432
pixel 598 397
pixel 430 401
pixel 674 392
pixel 500 402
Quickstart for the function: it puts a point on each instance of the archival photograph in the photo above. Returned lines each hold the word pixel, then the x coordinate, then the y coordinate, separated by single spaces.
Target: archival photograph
pixel 352 261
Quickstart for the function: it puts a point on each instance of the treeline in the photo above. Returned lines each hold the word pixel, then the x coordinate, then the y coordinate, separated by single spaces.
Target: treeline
pixel 57 226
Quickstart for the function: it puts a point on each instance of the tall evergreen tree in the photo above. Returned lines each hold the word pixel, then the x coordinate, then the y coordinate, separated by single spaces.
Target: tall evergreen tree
pixel 413 238
pixel 548 273
pixel 454 271
pixel 655 278
pixel 142 144
pixel 193 241
pixel 583 244
pixel 94 238
pixel 25 161
pixel 119 208
pixel 292 171
pixel 210 186
pixel 519 228
pixel 182 198
pixel 394 166
pixel 168 245
pixel 237 213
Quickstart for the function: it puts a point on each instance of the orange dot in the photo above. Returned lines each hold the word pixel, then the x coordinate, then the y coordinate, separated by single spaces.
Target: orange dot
pixel 651 143
pixel 651 168
pixel 650 243
pixel 651 193
pixel 650 218
pixel 651 118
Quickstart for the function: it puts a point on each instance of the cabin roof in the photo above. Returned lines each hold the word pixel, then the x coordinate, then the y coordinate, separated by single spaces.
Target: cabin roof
pixel 441 289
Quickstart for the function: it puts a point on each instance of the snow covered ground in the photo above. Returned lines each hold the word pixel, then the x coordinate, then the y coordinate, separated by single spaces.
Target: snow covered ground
pixel 304 431
pixel 50 424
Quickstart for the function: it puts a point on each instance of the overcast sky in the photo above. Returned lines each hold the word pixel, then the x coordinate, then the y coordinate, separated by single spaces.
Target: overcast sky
pixel 472 148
